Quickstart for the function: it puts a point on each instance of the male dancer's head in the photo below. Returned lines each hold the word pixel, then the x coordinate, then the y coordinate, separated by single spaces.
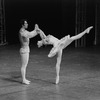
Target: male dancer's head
pixel 24 23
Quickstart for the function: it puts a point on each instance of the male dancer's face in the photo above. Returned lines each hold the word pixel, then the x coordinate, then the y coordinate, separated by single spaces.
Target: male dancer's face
pixel 25 24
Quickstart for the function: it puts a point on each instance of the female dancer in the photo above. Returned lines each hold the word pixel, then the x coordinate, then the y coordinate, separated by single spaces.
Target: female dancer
pixel 59 45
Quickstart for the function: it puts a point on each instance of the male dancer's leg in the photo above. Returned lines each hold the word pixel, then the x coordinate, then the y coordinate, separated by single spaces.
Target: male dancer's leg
pixel 59 58
pixel 24 59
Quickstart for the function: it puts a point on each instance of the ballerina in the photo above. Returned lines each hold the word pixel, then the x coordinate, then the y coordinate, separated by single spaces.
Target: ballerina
pixel 58 46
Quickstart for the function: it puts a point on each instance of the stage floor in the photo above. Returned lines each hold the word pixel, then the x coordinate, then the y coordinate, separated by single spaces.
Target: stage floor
pixel 79 75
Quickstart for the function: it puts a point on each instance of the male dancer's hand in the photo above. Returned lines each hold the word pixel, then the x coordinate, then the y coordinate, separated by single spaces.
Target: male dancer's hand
pixel 40 32
pixel 88 29
pixel 37 28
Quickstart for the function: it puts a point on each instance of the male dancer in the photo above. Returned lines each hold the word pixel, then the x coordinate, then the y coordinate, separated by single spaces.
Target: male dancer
pixel 24 37
pixel 59 45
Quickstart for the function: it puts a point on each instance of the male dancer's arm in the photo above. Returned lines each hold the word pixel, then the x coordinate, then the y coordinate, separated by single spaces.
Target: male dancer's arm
pixel 34 32
pixel 31 34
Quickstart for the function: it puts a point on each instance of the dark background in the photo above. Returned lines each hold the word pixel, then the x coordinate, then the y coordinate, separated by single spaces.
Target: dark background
pixel 56 17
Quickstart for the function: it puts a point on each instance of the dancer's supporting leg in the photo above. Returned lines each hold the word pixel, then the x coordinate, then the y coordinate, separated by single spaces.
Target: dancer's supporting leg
pixel 24 59
pixel 59 58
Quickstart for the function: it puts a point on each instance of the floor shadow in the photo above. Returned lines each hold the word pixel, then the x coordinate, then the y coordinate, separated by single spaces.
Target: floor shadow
pixel 42 81
pixel 14 76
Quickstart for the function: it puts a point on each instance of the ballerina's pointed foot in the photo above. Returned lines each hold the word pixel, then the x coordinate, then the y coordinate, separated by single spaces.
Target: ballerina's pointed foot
pixel 26 81
pixel 88 29
pixel 57 80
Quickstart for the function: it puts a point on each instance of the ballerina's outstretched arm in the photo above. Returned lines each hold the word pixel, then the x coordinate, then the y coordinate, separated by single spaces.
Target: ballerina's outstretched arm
pixel 44 40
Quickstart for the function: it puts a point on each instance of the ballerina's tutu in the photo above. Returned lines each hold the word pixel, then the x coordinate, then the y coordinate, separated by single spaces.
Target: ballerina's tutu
pixel 55 49
pixel 53 52
pixel 60 46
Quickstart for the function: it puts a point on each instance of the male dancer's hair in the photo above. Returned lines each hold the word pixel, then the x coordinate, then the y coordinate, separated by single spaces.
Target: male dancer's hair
pixel 22 21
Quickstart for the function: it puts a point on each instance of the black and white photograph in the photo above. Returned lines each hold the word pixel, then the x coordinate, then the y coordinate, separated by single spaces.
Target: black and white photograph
pixel 49 49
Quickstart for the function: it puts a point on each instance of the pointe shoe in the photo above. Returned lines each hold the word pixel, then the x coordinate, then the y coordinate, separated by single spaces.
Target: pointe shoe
pixel 88 29
pixel 57 80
